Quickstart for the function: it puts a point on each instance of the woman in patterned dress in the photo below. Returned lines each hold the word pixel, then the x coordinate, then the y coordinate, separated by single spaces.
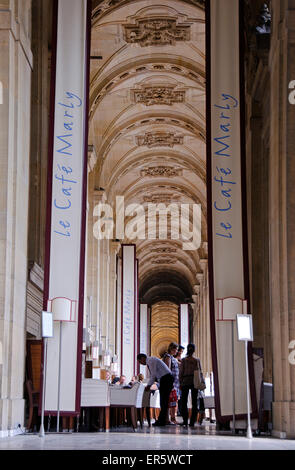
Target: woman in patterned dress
pixel 172 363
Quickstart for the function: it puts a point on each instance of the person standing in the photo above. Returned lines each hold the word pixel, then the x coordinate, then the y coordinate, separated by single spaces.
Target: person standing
pixel 160 373
pixel 186 378
pixel 178 358
pixel 172 363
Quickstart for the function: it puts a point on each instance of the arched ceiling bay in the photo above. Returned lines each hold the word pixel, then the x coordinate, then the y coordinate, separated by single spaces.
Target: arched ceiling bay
pixel 147 125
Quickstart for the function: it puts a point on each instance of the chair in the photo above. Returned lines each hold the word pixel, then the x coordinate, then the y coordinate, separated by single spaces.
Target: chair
pixel 33 374
pixel 33 398
pixel 128 398
pixel 95 393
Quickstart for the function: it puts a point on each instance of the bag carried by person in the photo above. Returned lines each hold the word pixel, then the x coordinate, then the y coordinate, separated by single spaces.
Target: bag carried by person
pixel 199 382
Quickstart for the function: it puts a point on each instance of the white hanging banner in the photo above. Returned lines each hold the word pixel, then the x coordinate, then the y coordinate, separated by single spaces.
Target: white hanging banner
pixel 129 311
pixel 119 306
pixel 144 333
pixel 227 268
pixel 137 323
pixel 184 325
pixel 65 259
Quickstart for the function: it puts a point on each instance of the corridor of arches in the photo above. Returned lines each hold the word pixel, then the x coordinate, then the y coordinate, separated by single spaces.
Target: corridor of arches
pixel 147 145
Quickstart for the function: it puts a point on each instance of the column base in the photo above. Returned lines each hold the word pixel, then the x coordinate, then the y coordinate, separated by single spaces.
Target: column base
pixel 12 414
pixel 283 419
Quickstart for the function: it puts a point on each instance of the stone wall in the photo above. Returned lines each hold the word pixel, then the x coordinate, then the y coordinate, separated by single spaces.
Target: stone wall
pixel 16 68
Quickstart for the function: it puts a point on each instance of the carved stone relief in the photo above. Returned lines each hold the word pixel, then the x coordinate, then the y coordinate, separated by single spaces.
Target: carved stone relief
pixel 161 198
pixel 159 139
pixel 164 250
pixel 158 94
pixel 156 32
pixel 164 171
pixel 164 260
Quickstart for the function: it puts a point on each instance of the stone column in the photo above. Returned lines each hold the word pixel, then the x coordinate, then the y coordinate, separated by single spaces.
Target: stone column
pixel 282 215
pixel 200 344
pixel 114 249
pixel 96 274
pixel 16 69
pixel 196 313
pixel 91 268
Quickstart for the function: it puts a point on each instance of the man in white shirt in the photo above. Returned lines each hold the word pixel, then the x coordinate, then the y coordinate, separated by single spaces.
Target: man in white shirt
pixel 159 372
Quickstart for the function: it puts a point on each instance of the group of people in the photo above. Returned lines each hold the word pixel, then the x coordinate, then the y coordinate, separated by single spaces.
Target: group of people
pixel 175 378
pixel 121 381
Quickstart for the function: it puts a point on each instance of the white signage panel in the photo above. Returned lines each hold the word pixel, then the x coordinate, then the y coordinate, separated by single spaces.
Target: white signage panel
pixel 129 311
pixel 144 333
pixel 66 203
pixel 226 199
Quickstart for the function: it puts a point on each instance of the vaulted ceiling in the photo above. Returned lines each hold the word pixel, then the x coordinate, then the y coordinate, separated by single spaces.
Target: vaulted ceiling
pixel 147 123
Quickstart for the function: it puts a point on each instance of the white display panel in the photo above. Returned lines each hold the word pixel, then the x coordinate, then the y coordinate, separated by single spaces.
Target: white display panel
pixel 226 194
pixel 129 311
pixel 144 333
pixel 245 327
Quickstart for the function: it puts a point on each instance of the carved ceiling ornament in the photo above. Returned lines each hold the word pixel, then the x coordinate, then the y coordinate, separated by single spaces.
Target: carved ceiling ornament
pixel 156 32
pixel 159 139
pixel 164 250
pixel 158 94
pixel 161 198
pixel 162 171
pixel 163 260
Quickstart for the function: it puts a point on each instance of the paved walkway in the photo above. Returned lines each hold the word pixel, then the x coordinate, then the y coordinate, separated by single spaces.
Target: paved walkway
pixel 168 438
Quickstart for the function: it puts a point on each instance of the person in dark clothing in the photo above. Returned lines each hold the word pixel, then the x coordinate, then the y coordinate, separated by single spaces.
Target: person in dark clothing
pixel 159 372
pixel 186 378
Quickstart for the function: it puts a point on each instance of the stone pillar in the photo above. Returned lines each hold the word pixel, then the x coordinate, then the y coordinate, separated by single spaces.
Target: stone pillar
pixel 15 75
pixel 206 336
pixel 200 344
pixel 91 268
pixel 282 215
pixel 94 272
pixel 114 249
pixel 196 313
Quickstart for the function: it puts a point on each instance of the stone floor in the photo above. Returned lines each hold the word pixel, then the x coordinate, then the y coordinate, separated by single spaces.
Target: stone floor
pixel 202 437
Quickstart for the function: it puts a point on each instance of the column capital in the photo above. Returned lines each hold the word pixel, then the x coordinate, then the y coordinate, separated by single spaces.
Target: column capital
pixel 115 245
pixel 205 249
pixel 200 277
pixel 195 299
pixel 204 264
pixel 197 289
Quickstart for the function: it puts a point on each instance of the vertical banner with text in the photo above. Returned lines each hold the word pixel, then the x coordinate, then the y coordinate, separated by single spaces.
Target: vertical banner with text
pixel 144 333
pixel 65 233
pixel 227 230
pixel 129 311
pixel 119 307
